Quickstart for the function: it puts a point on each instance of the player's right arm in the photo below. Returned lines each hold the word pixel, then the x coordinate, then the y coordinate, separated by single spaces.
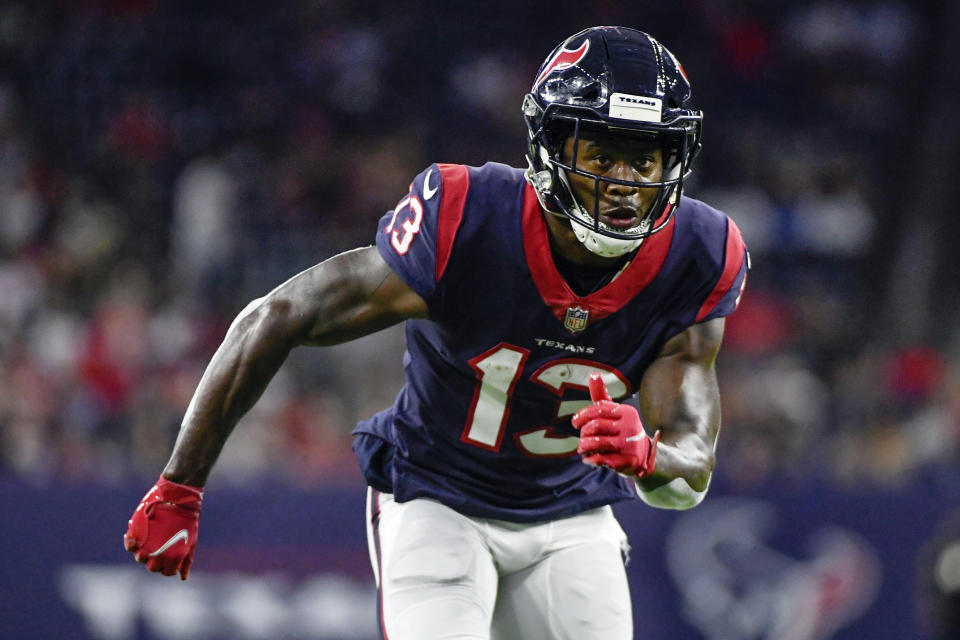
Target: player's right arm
pixel 350 295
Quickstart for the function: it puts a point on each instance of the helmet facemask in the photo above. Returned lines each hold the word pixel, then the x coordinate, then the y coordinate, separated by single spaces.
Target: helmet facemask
pixel 619 81
pixel 549 172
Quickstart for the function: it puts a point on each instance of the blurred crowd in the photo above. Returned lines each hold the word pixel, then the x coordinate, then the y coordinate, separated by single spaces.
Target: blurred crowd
pixel 163 163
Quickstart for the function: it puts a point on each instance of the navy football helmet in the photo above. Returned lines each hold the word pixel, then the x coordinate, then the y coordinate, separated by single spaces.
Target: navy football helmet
pixel 611 79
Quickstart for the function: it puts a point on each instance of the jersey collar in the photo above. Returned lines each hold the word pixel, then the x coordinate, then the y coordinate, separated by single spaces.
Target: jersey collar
pixel 554 290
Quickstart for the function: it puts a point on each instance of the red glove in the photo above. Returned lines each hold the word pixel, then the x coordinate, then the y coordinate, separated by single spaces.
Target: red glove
pixel 611 434
pixel 162 532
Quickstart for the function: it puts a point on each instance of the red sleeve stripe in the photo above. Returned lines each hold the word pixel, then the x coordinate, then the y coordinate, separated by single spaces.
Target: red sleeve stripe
pixel 456 181
pixel 733 259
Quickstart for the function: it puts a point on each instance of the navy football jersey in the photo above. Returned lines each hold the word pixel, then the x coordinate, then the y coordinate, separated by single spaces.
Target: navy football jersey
pixel 493 376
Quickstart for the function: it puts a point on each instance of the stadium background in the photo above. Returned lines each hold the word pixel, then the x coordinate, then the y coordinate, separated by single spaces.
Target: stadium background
pixel 162 163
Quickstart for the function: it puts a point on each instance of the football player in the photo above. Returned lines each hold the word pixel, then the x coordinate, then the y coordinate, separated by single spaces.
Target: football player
pixel 536 301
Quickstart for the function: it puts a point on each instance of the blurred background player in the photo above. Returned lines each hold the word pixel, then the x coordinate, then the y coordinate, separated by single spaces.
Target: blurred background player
pixel 531 297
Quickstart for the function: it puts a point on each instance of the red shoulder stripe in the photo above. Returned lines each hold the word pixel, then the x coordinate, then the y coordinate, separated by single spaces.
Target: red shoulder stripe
pixel 455 179
pixel 734 256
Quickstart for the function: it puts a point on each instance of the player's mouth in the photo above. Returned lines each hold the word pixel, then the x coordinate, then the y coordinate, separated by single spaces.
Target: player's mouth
pixel 619 217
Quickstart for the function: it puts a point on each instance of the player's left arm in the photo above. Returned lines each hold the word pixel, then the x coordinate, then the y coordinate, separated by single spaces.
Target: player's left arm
pixel 680 398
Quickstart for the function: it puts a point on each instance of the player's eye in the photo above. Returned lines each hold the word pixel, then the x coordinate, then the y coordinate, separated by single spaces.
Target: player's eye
pixel 601 160
pixel 644 163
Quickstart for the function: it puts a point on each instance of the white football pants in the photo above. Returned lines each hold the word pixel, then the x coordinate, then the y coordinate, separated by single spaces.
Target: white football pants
pixel 446 576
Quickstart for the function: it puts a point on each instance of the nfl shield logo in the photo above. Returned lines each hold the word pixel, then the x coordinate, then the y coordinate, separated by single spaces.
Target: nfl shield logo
pixel 576 319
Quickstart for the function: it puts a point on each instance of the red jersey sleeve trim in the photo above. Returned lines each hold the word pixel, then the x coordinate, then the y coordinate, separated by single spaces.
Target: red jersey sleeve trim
pixel 734 255
pixel 455 181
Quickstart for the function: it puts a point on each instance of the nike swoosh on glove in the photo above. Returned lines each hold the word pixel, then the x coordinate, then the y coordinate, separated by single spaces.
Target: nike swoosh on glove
pixel 612 435
pixel 162 532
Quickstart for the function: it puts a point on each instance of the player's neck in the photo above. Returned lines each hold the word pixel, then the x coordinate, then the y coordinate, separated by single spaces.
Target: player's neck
pixel 564 243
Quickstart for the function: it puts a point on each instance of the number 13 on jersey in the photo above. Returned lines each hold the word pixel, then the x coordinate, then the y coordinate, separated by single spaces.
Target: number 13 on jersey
pixel 401 238
pixel 498 371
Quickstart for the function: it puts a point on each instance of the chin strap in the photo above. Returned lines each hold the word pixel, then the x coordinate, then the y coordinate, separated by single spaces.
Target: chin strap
pixel 597 243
